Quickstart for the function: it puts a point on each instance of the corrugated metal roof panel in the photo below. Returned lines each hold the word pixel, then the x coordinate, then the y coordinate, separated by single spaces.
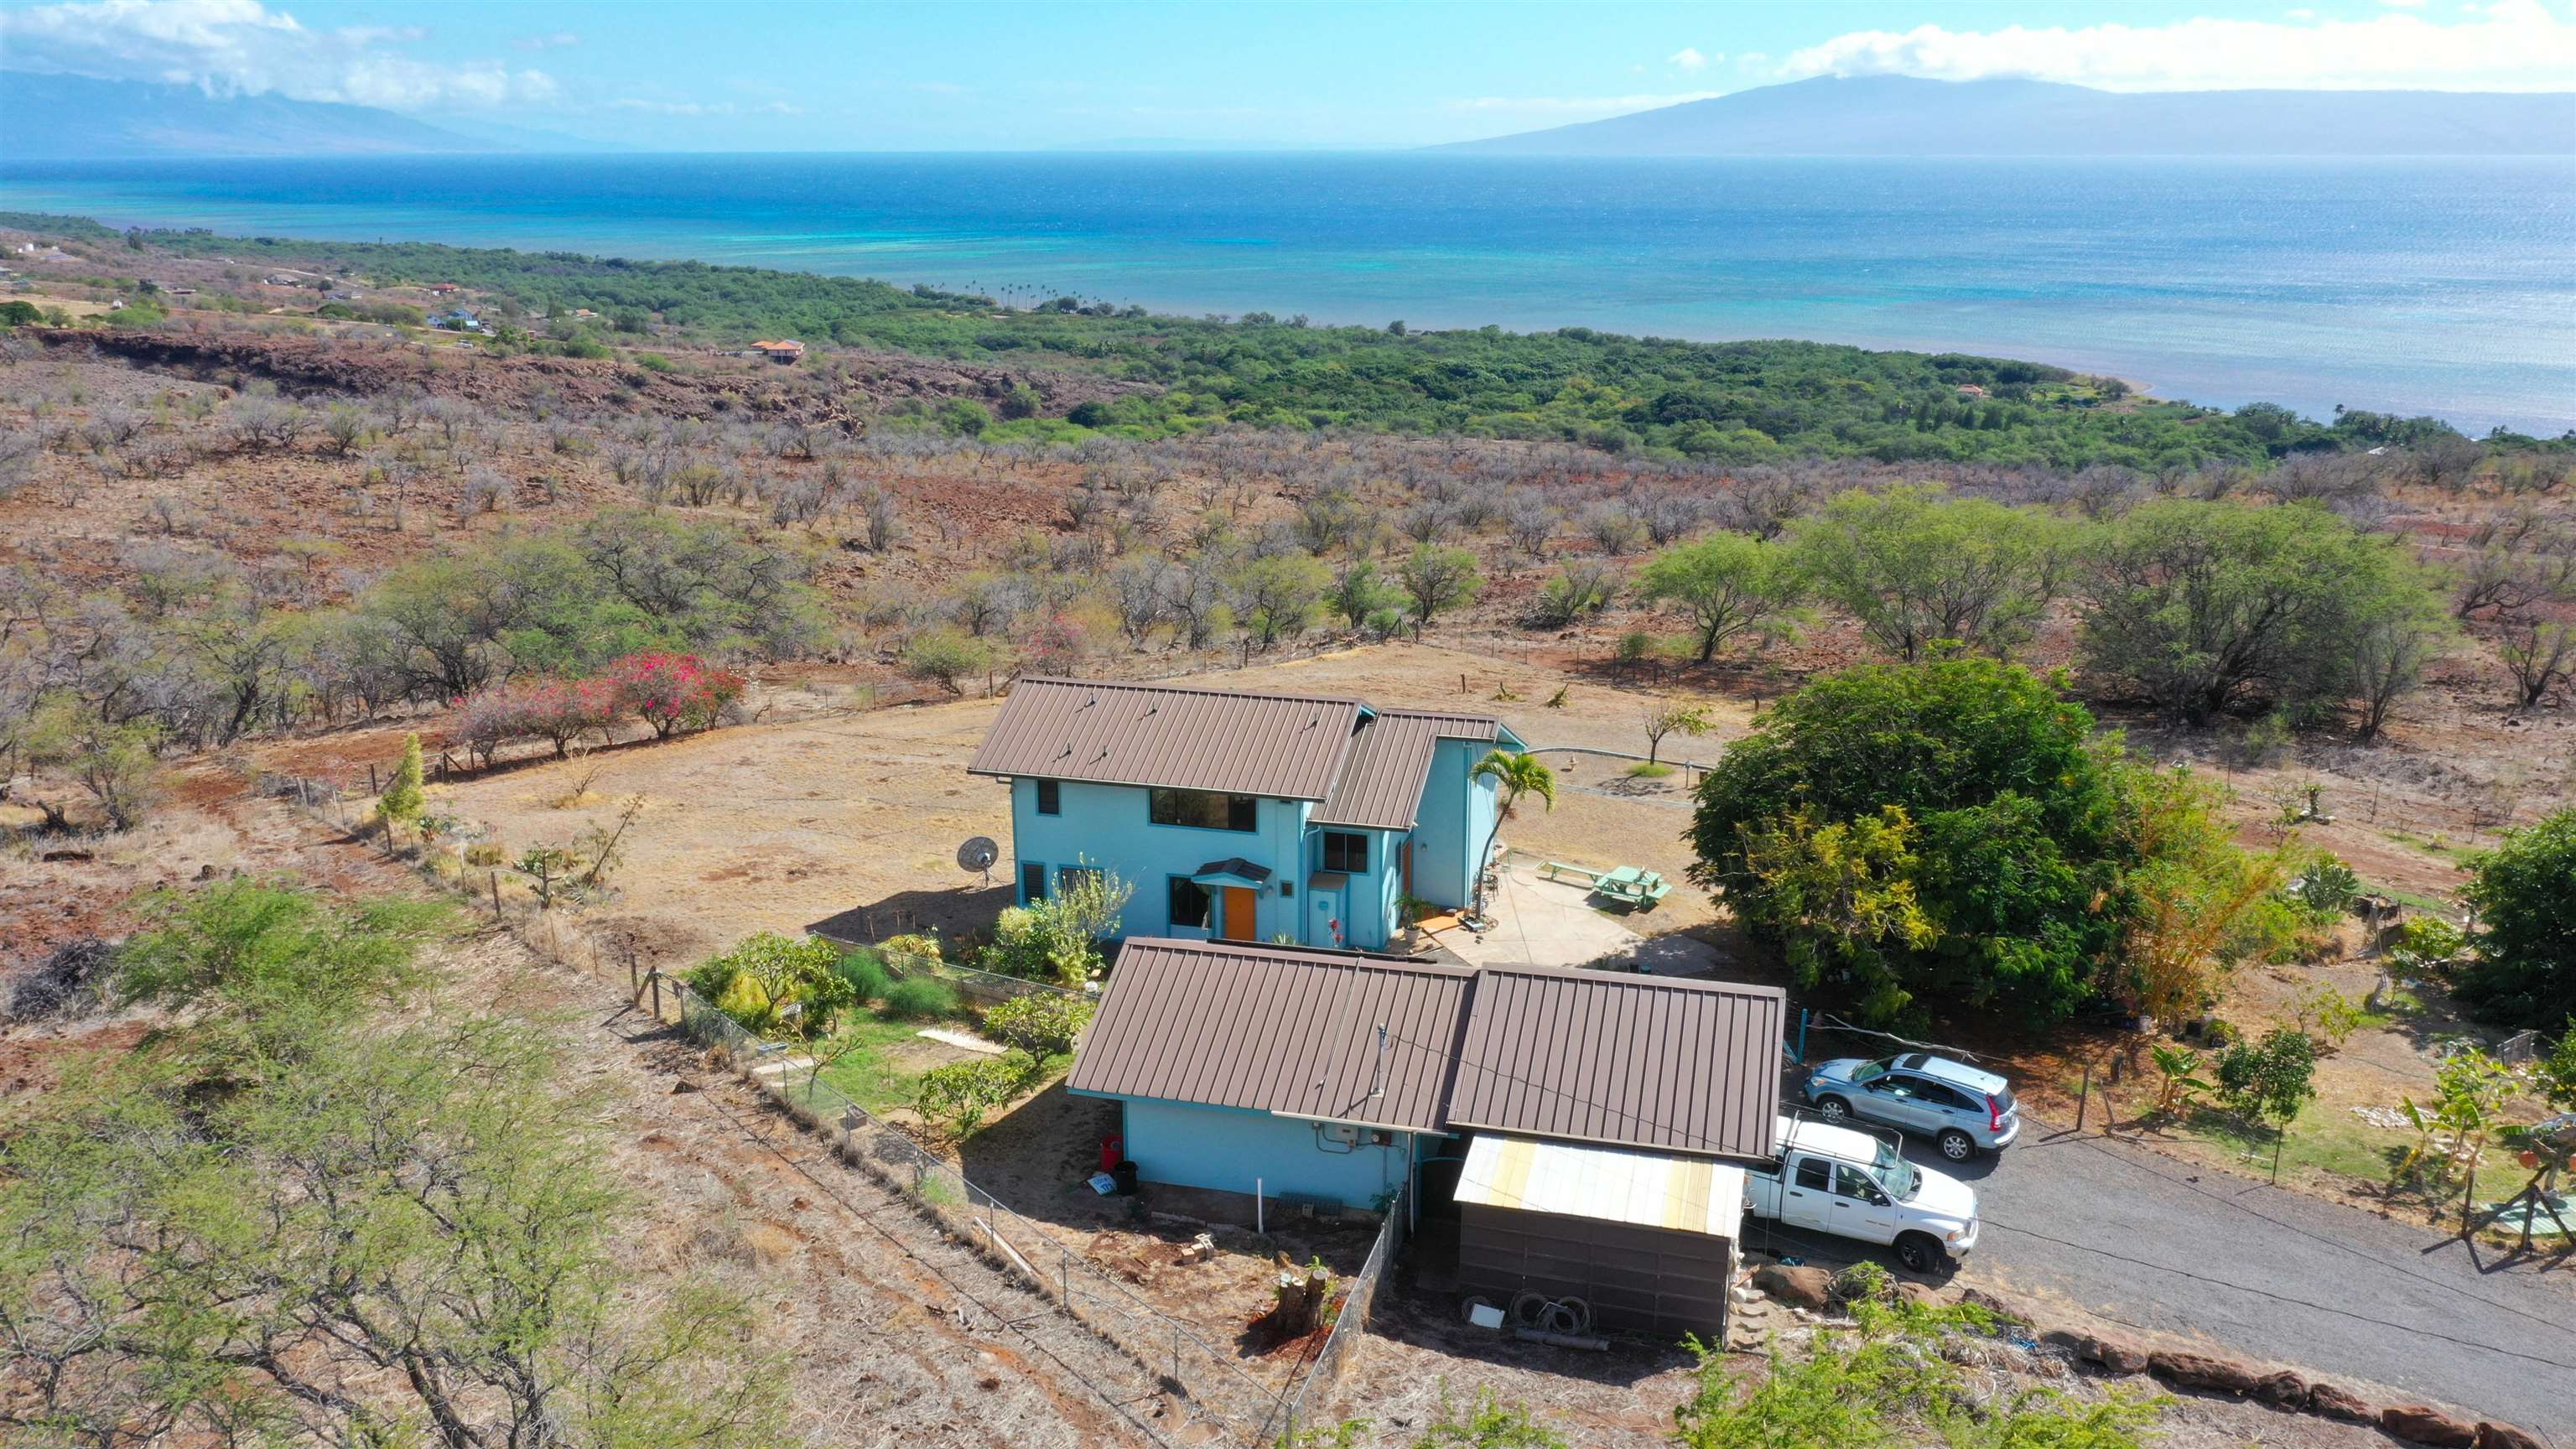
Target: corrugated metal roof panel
pixel 1276 1029
pixel 1390 760
pixel 1646 1061
pixel 1285 746
pixel 1609 1184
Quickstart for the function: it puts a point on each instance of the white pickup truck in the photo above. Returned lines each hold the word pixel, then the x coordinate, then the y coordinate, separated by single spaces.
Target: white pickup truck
pixel 1848 1183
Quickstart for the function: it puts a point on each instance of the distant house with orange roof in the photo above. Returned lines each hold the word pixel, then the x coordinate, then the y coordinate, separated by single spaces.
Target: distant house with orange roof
pixel 786 351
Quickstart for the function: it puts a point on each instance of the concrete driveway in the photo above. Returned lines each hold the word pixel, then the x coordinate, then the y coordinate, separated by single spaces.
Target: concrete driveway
pixel 2138 1240
pixel 1551 923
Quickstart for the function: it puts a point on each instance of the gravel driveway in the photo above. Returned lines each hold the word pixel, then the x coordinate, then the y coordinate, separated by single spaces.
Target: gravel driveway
pixel 2135 1238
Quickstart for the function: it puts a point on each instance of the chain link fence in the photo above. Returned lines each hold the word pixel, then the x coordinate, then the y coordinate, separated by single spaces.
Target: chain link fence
pixel 1171 1358
pixel 1352 1311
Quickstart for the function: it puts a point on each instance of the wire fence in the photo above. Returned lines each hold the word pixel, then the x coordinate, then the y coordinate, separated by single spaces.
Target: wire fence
pixel 1353 1310
pixel 1170 1355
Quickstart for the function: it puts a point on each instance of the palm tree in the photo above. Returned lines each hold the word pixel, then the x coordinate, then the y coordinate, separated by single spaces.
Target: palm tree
pixel 1516 775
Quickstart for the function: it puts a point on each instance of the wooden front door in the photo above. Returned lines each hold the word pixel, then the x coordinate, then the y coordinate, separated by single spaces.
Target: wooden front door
pixel 1239 911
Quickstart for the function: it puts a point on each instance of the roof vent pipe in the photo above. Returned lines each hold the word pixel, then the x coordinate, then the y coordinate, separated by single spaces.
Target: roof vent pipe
pixel 1377 1073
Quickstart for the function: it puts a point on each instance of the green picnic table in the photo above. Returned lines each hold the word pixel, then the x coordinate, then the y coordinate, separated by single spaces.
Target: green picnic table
pixel 1637 887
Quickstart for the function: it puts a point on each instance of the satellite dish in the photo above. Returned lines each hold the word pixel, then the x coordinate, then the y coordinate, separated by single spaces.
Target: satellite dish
pixel 979 854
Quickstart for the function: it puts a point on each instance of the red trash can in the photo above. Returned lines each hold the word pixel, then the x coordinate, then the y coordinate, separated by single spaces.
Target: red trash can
pixel 1113 1148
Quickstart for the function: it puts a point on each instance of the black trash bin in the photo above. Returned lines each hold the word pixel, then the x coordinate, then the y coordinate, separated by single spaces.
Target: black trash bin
pixel 1125 1173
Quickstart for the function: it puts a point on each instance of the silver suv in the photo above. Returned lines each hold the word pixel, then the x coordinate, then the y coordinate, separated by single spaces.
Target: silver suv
pixel 1963 1110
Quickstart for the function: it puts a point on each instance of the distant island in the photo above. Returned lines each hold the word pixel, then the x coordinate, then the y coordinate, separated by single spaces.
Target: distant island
pixel 1906 116
pixel 78 118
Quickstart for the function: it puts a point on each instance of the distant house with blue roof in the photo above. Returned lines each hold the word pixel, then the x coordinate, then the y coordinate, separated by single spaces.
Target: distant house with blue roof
pixel 1245 816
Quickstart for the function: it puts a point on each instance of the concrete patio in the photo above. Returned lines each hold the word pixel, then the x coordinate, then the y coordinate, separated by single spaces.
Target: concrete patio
pixel 1554 923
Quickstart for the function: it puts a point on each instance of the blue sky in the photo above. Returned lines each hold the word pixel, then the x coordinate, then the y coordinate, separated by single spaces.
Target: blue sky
pixel 662 74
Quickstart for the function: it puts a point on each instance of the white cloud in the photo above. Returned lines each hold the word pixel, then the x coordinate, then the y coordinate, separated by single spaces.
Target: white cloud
pixel 2509 45
pixel 2403 4
pixel 1688 58
pixel 1578 105
pixel 556 41
pixel 241 47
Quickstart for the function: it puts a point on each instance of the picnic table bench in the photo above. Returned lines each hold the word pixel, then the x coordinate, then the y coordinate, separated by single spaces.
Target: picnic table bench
pixel 1626 883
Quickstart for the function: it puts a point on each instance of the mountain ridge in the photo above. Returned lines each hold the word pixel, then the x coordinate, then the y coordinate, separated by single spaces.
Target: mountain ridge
pixel 61 117
pixel 1911 116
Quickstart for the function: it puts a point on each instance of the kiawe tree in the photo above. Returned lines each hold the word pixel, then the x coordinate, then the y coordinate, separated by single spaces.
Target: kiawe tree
pixel 1730 584
pixel 2208 607
pixel 1919 569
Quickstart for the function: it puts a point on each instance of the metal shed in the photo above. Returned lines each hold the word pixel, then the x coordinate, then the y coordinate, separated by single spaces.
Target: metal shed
pixel 1647 1239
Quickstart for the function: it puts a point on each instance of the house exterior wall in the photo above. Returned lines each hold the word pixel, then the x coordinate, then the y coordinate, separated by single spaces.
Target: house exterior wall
pixel 1456 818
pixel 1229 1149
pixel 1107 826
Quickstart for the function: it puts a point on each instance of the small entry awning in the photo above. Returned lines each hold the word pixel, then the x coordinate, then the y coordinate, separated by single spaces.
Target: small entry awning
pixel 1611 1184
pixel 1233 870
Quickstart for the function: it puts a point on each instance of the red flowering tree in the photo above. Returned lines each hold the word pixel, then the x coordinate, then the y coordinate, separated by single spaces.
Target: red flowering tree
pixel 673 691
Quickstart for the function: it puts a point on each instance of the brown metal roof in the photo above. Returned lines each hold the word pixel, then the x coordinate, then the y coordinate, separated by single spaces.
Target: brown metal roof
pixel 1276 1029
pixel 1390 761
pixel 1286 746
pixel 1585 1056
pixel 1645 1061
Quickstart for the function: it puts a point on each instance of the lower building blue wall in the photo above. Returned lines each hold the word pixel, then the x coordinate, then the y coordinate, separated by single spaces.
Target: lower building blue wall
pixel 1190 1144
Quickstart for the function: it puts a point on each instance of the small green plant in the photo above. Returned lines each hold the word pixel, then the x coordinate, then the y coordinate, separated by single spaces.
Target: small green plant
pixel 1042 1024
pixel 402 800
pixel 920 998
pixel 2426 943
pixel 774 986
pixel 1649 770
pixel 2272 1079
pixel 2180 1068
pixel 867 976
pixel 1864 1282
pixel 2333 1015
pixel 957 1098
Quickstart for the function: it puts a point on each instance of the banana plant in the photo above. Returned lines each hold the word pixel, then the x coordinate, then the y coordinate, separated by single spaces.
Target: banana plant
pixel 2180 1068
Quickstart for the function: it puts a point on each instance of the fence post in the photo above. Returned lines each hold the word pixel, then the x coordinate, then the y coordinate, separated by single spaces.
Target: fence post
pixel 372 787
pixel 496 895
pixel 1064 1275
pixel 2084 1098
pixel 657 993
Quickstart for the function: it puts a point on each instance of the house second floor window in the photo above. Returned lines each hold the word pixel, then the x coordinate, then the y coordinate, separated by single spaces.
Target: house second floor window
pixel 1032 882
pixel 1201 808
pixel 1050 797
pixel 1346 850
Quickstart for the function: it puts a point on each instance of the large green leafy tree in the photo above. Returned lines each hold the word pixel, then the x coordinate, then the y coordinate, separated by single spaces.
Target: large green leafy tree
pixel 2212 606
pixel 2525 894
pixel 2009 836
pixel 1917 569
pixel 1730 584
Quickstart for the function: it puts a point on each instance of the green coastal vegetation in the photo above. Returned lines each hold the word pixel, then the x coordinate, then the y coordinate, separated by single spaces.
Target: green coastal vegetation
pixel 1731 402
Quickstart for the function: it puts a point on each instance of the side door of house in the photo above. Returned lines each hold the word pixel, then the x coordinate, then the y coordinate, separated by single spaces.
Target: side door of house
pixel 1242 911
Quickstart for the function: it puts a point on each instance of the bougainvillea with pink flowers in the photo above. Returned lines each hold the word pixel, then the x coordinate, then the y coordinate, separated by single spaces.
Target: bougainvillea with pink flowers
pixel 673 692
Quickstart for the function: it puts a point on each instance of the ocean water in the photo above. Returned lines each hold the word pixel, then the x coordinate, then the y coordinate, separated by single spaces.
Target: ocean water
pixel 2432 285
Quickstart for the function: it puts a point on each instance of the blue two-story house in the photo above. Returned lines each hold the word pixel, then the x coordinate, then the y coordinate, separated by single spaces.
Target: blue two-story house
pixel 1248 817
